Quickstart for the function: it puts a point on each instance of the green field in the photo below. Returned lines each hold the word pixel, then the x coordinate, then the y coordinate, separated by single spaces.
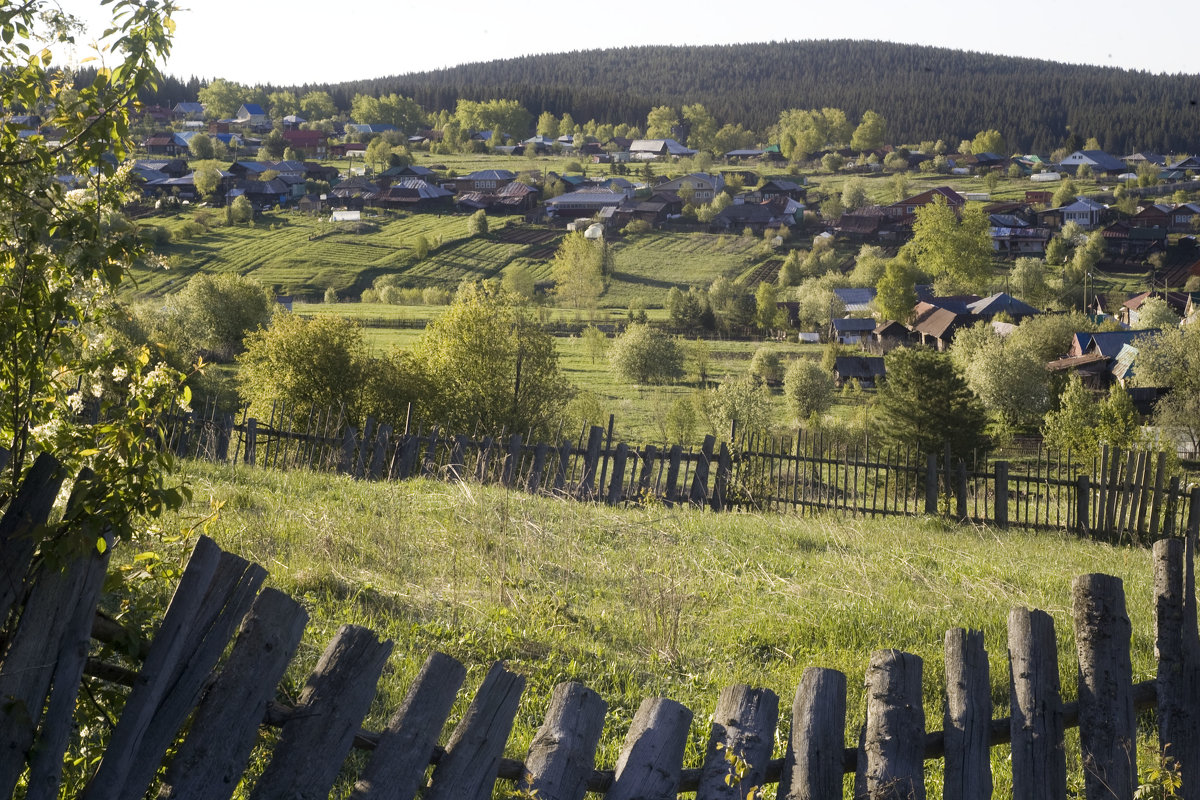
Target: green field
pixel 296 253
pixel 641 602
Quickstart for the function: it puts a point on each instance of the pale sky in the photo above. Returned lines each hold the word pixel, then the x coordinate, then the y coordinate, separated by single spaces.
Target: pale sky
pixel 288 43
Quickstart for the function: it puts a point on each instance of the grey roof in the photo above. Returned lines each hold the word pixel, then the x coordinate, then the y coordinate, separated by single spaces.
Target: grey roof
pixel 854 325
pixel 856 299
pixel 1109 343
pixel 1001 302
pixel 489 175
pixel 1102 160
pixel 859 367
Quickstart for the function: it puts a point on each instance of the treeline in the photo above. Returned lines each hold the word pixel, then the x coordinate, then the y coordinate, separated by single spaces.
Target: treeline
pixel 925 93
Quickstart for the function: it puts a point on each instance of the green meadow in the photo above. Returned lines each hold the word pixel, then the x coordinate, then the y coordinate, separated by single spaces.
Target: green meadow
pixel 635 602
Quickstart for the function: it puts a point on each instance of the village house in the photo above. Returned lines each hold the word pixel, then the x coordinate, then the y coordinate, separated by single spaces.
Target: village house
pixel 905 211
pixel 650 149
pixel 869 371
pixel 1100 162
pixel 702 187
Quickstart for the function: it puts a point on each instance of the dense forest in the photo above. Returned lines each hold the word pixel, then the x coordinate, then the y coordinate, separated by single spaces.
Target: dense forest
pixel 924 93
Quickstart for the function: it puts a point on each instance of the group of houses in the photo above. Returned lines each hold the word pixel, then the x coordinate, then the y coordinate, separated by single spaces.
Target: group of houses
pixel 1025 228
pixel 1099 359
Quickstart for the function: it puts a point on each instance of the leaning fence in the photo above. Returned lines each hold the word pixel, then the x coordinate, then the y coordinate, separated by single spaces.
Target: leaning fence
pixel 1120 496
pixel 209 682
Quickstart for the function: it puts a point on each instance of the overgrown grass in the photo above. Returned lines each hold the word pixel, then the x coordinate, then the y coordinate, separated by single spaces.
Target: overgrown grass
pixel 647 601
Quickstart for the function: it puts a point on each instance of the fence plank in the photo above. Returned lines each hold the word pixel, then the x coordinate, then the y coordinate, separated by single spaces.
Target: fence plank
pixel 1107 727
pixel 1039 760
pixel 533 483
pixel 699 492
pixel 55 620
pixel 894 744
pixel 398 765
pixel 214 593
pixel 651 758
pixel 560 472
pixel 591 459
pixel 1001 503
pixel 210 761
pixel 429 466
pixel 468 769
pixel 813 763
pixel 27 511
pixel 512 462
pixel 1156 502
pixel 317 738
pixel 743 728
pixel 968 717
pixel 1178 687
pixel 672 491
pixel 563 751
pixel 649 458
pixel 721 486
pixel 379 452
pixel 454 470
pixel 960 492
pixel 616 482
pixel 1083 504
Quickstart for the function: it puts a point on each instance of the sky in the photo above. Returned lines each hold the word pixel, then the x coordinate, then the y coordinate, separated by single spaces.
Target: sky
pixel 291 43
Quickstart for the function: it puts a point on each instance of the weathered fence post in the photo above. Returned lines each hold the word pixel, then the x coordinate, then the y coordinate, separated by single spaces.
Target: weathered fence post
pixel 968 717
pixel 512 462
pixel 931 484
pixel 43 661
pixel 1176 646
pixel 397 767
pixel 213 595
pixel 379 451
pixel 454 469
pixel 225 728
pixel 429 467
pixel 894 744
pixel 345 462
pixel 699 493
pixel 651 758
pixel 743 729
pixel 318 737
pixel 1039 760
pixel 1107 727
pixel 647 471
pixel 674 457
pixel 813 764
pixel 721 485
pixel 563 751
pixel 560 471
pixel 251 440
pixel 25 514
pixel 533 483
pixel 591 459
pixel 1001 505
pixel 616 484
pixel 1083 504
pixel 468 770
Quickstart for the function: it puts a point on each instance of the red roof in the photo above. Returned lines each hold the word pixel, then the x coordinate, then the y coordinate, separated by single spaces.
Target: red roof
pixel 304 138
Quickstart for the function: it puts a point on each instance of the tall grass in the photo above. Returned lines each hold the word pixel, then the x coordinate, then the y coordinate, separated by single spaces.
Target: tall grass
pixel 646 601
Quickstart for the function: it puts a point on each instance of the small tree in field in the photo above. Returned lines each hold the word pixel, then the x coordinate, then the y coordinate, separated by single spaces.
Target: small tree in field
pixel 241 209
pixel 477 224
pixel 645 355
pixel 808 388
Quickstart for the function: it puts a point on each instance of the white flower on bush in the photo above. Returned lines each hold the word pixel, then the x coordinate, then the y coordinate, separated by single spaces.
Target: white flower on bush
pixel 119 373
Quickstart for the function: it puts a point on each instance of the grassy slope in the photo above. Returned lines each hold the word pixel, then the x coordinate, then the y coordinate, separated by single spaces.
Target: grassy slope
pixel 647 601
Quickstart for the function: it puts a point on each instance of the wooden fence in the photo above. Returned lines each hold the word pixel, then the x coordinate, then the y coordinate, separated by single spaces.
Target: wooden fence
pixel 197 669
pixel 1121 496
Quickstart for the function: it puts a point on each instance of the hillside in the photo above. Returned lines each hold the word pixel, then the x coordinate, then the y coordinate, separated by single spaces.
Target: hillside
pixel 638 602
pixel 925 93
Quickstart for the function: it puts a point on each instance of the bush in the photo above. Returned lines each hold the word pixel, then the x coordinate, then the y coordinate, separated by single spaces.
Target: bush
pixel 477 224
pixel 742 402
pixel 645 355
pixel 636 227
pixel 433 296
pixel 301 363
pixel 766 366
pixel 241 210
pixel 808 388
pixel 331 295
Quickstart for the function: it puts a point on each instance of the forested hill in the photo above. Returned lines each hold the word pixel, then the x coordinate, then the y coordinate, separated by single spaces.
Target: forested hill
pixel 925 93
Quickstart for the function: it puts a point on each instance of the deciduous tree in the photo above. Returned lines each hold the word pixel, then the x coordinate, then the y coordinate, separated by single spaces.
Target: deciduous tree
pixel 870 133
pixel 956 251
pixel 579 270
pixel 646 355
